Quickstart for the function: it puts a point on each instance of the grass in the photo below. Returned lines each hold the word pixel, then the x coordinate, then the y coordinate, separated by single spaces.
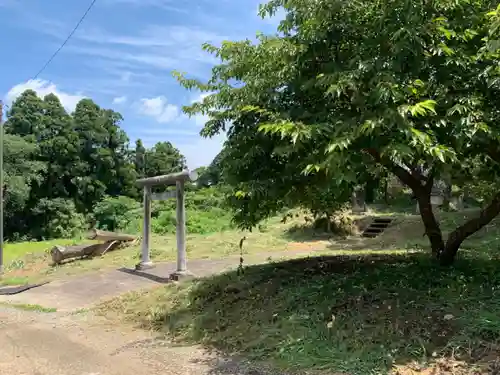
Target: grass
pixel 29 307
pixel 376 306
pixel 353 314
pixel 19 250
pixel 29 262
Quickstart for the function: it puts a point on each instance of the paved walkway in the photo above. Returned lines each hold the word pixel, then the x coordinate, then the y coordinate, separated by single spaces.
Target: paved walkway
pixel 80 292
pixel 59 343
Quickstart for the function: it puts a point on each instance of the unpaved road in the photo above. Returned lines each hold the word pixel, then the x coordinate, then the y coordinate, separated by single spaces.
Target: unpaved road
pixel 79 344
pixel 65 343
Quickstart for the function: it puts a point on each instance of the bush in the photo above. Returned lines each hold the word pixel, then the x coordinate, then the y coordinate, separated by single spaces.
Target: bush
pixel 116 213
pixel 57 218
pixel 204 213
pixel 197 221
pixel 340 224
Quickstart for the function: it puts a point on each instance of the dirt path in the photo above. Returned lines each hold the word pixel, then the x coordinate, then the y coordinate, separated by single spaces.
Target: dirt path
pixel 68 344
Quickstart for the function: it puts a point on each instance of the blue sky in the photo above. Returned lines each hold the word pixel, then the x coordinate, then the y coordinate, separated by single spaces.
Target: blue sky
pixel 122 57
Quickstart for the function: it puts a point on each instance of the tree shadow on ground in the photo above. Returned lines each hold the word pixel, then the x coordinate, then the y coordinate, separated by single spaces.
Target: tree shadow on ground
pixel 358 315
pixel 227 365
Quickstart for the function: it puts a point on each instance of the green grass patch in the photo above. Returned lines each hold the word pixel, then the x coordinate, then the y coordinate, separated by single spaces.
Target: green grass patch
pixel 29 307
pixel 14 280
pixel 352 314
pixel 18 250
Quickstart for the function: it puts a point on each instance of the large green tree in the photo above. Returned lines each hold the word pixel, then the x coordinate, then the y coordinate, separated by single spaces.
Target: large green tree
pixel 59 166
pixel 140 158
pixel 163 158
pixel 410 87
pixel 105 165
pixel 21 172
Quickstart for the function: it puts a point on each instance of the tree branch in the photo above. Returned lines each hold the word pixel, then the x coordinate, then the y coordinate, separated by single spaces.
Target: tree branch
pixel 486 215
pixel 415 172
pixel 430 180
pixel 405 176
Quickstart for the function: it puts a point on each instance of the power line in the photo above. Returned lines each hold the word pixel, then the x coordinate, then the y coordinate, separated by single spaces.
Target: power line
pixel 67 39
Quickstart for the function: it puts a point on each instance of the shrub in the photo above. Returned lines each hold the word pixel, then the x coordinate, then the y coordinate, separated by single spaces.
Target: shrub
pixel 57 218
pixel 340 224
pixel 116 213
pixel 197 221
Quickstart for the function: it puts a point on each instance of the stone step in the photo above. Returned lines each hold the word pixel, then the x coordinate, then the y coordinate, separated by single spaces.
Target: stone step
pixel 376 227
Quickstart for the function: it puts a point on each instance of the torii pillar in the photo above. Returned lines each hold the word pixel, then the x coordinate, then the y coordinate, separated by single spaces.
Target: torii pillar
pixel 179 180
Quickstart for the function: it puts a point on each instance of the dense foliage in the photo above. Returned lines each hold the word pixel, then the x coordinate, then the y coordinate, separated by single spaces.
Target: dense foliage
pixel 64 172
pixel 346 90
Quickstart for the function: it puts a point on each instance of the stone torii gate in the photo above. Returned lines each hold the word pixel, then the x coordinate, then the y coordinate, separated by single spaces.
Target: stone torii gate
pixel 178 179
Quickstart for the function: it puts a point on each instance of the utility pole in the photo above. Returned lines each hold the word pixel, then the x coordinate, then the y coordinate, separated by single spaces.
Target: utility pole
pixel 1 188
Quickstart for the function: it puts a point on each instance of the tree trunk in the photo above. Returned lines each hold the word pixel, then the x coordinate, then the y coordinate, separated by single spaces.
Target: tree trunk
pixel 101 235
pixel 60 253
pixel 470 227
pixel 431 225
pixel 370 187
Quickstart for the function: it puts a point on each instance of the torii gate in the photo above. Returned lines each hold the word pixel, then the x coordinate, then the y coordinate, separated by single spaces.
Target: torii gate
pixel 177 179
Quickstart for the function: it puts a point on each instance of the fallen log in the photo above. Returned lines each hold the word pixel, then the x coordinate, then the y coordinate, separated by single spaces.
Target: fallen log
pixel 60 253
pixel 101 235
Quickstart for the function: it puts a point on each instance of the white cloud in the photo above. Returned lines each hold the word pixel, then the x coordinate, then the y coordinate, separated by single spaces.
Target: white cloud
pixel 159 109
pixel 155 60
pixel 42 88
pixel 120 100
pixel 154 46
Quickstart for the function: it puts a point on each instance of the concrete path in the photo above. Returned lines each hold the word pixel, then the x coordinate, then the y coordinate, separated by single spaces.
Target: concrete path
pixel 80 292
pixel 64 343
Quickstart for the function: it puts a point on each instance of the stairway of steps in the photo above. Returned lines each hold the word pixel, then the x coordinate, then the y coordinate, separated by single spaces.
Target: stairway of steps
pixel 376 227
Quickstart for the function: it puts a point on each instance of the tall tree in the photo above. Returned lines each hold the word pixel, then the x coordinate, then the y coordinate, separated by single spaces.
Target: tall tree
pixel 25 117
pixel 163 158
pixel 58 148
pixel 139 156
pixel 84 157
pixel 408 86
pixel 21 172
pixel 104 166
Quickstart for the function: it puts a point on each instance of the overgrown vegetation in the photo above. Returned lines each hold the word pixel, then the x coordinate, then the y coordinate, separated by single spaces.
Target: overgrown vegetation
pixel 66 172
pixel 355 315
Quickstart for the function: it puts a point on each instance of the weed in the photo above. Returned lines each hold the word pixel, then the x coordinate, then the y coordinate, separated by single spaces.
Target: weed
pixel 29 307
pixel 355 314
